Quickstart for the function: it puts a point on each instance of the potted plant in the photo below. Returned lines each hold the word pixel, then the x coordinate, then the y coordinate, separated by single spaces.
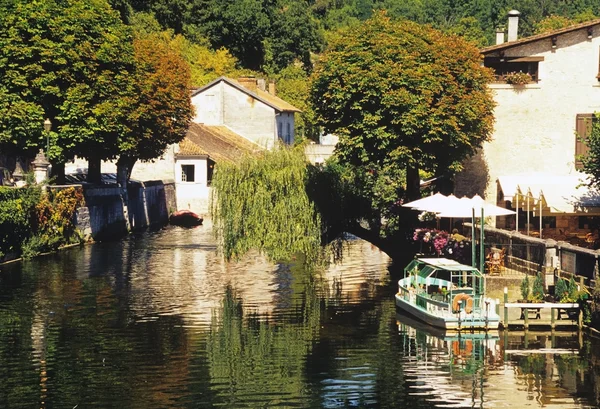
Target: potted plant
pixel 517 78
pixel 537 293
pixel 525 289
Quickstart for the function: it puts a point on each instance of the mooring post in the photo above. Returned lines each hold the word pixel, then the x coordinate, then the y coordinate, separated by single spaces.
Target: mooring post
pixel 505 307
pixel 552 317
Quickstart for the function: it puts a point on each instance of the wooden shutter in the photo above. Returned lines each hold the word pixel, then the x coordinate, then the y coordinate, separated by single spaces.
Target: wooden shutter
pixel 583 127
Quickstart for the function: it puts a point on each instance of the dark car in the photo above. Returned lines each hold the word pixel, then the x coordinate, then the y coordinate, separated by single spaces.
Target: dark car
pixel 6 178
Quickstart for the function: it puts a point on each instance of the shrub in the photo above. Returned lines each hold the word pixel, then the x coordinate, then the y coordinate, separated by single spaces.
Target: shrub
pixel 538 288
pixel 17 217
pixel 525 288
pixel 561 290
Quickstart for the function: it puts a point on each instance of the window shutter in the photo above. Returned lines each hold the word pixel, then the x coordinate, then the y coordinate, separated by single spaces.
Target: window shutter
pixel 583 127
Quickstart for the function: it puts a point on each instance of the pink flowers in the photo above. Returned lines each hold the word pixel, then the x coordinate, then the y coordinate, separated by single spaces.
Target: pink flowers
pixel 439 238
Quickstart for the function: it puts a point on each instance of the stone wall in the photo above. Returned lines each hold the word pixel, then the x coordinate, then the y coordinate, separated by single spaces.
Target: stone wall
pixel 105 218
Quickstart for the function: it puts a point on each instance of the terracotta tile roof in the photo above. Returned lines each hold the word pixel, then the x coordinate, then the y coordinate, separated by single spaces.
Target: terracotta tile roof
pixel 271 100
pixel 218 142
pixel 189 148
pixel 538 37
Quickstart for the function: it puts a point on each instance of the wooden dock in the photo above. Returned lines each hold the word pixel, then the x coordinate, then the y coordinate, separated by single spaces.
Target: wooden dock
pixel 541 315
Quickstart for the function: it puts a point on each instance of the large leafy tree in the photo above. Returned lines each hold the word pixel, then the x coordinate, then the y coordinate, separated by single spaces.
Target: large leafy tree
pixel 404 99
pixel 159 109
pixel 70 61
pixel 402 95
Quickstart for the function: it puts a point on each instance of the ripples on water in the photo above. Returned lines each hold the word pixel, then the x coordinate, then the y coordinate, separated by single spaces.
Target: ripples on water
pixel 160 321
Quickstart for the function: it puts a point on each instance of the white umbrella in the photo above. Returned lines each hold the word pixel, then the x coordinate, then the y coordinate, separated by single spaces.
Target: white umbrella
pixel 422 204
pixel 464 208
pixel 436 203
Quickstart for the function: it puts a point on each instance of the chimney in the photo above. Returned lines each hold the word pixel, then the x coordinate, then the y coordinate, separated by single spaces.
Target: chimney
pixel 272 87
pixel 500 35
pixel 248 83
pixel 261 84
pixel 513 25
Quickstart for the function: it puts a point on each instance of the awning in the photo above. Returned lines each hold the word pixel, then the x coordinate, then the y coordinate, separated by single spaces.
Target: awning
pixel 558 193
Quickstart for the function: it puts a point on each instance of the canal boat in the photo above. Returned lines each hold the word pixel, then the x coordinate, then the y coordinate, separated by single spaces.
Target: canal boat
pixel 185 218
pixel 446 294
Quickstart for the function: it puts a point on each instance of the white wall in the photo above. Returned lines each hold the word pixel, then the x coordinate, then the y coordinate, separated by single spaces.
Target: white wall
pixel 192 195
pixel 209 105
pixel 249 117
pixel 285 123
pixel 535 124
pixel 160 169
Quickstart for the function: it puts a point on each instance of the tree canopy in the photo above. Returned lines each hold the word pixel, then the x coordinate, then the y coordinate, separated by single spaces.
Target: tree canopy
pixel 158 110
pixel 67 61
pixel 403 96
pixel 591 159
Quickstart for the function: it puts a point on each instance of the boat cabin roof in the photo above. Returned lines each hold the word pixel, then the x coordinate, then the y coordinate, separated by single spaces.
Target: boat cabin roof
pixel 426 267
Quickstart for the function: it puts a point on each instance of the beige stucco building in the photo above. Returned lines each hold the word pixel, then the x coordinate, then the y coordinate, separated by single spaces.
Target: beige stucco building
pixel 534 146
pixel 232 118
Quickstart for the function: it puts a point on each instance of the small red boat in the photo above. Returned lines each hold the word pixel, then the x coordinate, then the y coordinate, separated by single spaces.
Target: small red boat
pixel 185 218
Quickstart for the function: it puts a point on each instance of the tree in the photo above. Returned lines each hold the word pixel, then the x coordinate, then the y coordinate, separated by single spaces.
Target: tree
pixel 552 22
pixel 591 160
pixel 261 203
pixel 158 109
pixel 403 97
pixel 67 61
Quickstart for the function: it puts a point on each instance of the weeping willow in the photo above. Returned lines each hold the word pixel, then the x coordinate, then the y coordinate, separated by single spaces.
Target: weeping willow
pixel 261 203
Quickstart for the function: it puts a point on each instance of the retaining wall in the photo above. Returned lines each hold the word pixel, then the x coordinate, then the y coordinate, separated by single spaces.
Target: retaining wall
pixel 105 217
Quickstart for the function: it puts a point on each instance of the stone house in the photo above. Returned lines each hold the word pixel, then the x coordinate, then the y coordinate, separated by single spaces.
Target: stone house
pixel 532 163
pixel 232 118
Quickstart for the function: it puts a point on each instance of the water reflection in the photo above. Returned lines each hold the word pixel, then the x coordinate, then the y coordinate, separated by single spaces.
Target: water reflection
pixel 160 321
pixel 497 369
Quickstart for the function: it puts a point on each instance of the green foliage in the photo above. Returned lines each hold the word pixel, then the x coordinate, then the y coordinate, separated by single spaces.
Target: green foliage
pixel 159 109
pixel 261 203
pixel 67 61
pixel 525 288
pixel 537 292
pixel 561 289
pixel 591 160
pixel 567 291
pixel 17 217
pixel 54 225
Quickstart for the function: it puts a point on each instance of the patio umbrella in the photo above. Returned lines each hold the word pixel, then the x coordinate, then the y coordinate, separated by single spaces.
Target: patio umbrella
pixel 435 203
pixel 464 208
pixel 422 204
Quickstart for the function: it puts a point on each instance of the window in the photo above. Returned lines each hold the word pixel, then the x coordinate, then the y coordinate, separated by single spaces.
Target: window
pixel 589 222
pixel 187 173
pixel 505 65
pixel 549 221
pixel 280 130
pixel 288 136
pixel 209 171
pixel 583 128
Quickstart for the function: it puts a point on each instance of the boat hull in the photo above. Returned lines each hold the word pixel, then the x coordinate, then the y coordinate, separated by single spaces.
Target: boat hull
pixel 185 218
pixel 456 322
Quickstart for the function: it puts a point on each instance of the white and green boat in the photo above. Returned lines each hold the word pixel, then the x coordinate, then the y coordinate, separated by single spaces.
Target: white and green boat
pixel 446 294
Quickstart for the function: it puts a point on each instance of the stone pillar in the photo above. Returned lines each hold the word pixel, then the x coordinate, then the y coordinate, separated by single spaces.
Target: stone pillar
pixel 40 167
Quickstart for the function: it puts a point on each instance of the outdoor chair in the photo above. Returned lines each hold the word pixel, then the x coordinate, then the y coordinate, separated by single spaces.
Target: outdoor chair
pixel 495 261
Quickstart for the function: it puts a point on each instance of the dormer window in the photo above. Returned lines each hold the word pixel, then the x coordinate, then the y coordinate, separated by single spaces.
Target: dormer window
pixel 508 65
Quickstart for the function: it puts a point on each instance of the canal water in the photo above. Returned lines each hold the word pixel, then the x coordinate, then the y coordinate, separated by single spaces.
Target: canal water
pixel 160 321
